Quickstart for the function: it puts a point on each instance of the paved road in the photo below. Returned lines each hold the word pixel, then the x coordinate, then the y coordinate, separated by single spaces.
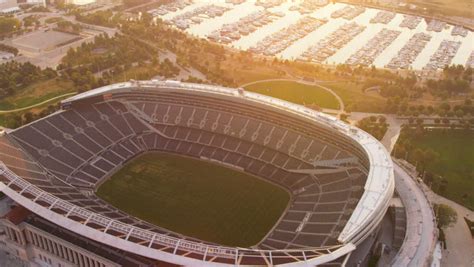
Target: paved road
pixel 393 132
pixel 36 105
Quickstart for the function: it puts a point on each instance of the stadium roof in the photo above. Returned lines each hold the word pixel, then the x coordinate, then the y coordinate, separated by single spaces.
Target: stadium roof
pixel 380 181
pixel 368 213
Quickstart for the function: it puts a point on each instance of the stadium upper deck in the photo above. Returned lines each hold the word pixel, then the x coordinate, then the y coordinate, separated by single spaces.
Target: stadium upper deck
pixel 341 178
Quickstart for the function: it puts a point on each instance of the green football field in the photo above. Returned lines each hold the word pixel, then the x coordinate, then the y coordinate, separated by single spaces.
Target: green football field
pixel 196 198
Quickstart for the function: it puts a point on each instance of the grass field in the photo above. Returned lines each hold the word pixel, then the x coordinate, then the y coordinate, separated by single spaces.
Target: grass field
pixel 36 93
pixel 297 93
pixel 196 198
pixel 456 163
pixel 250 75
pixel 355 99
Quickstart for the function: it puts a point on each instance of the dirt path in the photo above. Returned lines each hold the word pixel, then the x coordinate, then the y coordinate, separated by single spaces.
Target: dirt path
pixel 37 104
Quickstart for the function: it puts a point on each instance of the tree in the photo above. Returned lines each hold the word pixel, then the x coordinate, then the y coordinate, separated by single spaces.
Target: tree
pixel 445 106
pixel 9 24
pixel 442 112
pixel 10 49
pixel 382 119
pixel 28 117
pixel 400 151
pixel 30 21
pixel 428 178
pixel 344 117
pixel 16 76
pixel 429 110
pixel 419 131
pixel 417 156
pixel 445 215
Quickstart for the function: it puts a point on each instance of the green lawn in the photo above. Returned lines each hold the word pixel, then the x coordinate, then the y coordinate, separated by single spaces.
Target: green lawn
pixel 37 93
pixel 375 128
pixel 298 93
pixel 355 99
pixel 196 198
pixel 456 163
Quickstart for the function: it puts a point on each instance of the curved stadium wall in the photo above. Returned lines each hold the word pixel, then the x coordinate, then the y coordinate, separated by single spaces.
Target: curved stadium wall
pixel 341 178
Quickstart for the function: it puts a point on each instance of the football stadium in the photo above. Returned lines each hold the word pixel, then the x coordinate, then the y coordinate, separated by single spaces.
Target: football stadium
pixel 293 186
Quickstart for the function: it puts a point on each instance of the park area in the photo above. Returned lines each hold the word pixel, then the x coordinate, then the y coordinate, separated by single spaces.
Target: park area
pixel 36 93
pixel 314 96
pixel 304 94
pixel 196 198
pixel 453 163
pixel 355 99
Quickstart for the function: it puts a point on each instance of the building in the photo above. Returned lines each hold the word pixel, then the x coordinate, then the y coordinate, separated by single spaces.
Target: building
pixel 37 242
pixel 8 6
pixel 340 178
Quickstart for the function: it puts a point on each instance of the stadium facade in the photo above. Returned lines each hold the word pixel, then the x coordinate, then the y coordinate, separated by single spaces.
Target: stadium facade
pixel 340 178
